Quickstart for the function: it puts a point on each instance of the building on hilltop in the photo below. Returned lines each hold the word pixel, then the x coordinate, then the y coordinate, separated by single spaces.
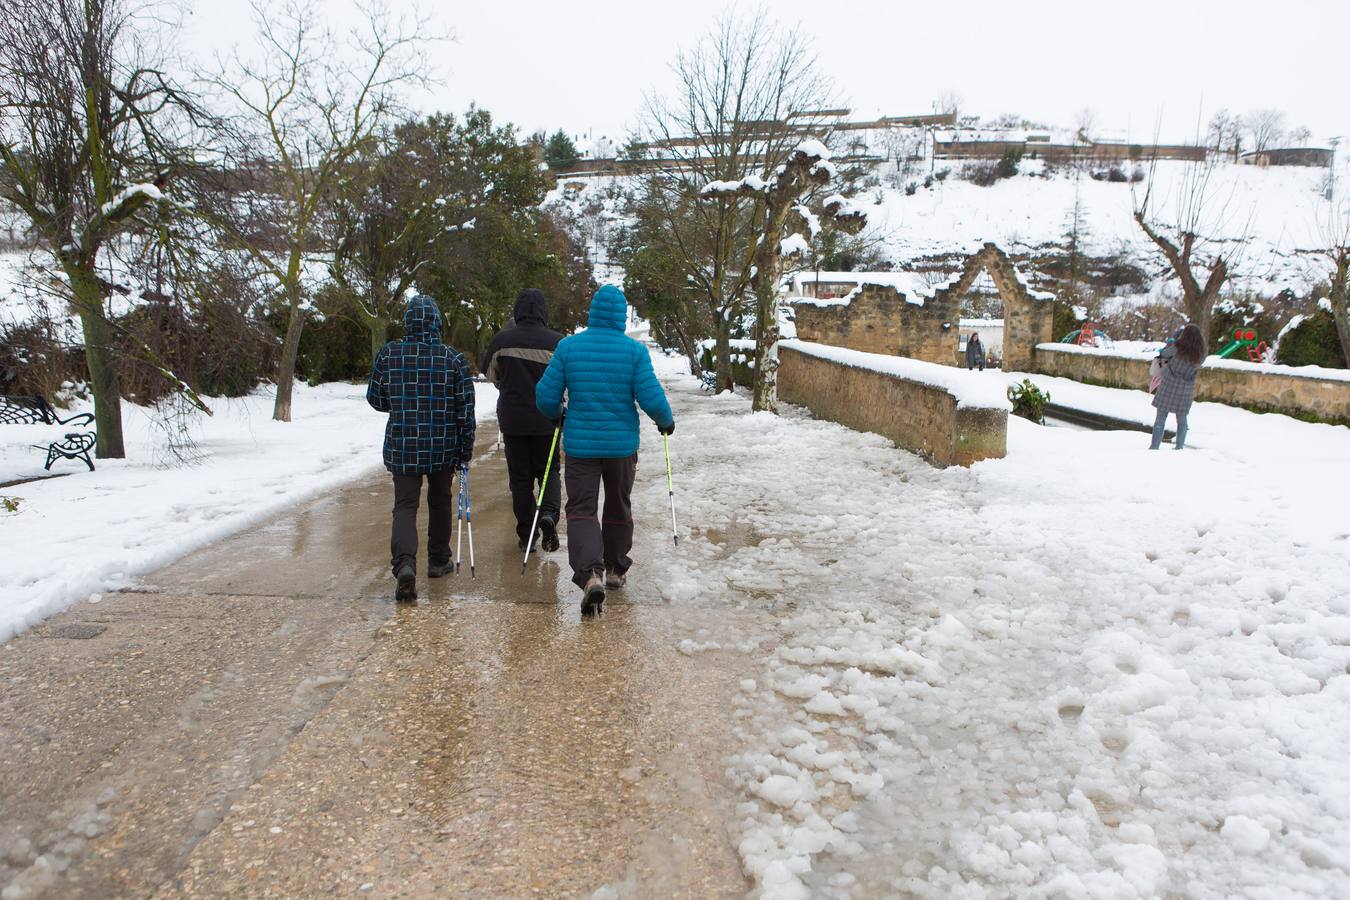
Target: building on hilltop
pixel 993 143
pixel 1318 157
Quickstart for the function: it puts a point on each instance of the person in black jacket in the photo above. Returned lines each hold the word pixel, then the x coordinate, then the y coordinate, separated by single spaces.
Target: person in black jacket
pixel 514 362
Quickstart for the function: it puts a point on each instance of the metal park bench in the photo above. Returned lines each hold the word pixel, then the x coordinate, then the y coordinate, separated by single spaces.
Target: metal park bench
pixel 37 411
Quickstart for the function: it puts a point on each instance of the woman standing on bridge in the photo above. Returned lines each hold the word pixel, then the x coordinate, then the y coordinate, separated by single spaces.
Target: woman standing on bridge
pixel 1181 361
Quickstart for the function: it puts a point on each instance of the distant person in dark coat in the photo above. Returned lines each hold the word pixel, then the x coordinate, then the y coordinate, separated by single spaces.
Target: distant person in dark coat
pixel 1181 361
pixel 514 362
pixel 974 352
pixel 425 387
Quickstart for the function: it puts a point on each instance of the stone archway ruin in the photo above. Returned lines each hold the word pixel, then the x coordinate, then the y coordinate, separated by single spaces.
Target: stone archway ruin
pixel 901 315
pixel 1028 314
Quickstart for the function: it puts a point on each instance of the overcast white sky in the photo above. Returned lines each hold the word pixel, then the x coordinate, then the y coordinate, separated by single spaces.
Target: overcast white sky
pixel 584 65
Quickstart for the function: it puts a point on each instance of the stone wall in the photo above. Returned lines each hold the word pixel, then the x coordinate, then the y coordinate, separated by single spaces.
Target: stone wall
pixel 879 319
pixel 916 416
pixel 1222 381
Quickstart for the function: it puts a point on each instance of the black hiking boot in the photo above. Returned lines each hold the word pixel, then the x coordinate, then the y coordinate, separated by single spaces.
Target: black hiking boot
pixel 548 531
pixel 593 597
pixel 407 584
pixel 615 580
pixel 439 570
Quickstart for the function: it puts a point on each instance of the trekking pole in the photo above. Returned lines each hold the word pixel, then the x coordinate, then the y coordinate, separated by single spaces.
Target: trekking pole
pixel 459 525
pixel 468 515
pixel 539 504
pixel 670 487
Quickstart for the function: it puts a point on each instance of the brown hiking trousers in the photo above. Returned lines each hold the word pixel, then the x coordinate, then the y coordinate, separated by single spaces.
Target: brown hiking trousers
pixel 599 544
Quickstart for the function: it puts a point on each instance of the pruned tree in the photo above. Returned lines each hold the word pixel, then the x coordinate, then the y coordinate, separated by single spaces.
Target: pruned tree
pixel 1336 239
pixel 1265 127
pixel 778 202
pixel 303 107
pixel 746 94
pixel 87 115
pixel 1190 236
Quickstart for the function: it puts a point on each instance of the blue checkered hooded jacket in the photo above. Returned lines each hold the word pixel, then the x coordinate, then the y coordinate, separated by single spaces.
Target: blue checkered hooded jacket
pixel 425 387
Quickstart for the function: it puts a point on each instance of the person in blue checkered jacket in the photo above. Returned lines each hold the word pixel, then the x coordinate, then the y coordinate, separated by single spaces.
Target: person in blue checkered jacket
pixel 424 386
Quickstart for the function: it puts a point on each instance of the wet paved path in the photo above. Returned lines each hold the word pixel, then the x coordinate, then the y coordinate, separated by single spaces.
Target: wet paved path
pixel 259 719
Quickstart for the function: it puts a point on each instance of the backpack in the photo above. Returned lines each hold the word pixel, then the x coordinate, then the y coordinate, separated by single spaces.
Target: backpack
pixel 1155 374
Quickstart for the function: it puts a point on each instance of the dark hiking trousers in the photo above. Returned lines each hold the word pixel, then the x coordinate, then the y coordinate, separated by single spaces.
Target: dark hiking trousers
pixel 594 545
pixel 407 497
pixel 526 457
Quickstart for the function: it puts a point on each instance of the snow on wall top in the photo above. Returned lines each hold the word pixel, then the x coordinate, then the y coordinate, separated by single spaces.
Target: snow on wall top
pixel 972 390
pixel 1235 365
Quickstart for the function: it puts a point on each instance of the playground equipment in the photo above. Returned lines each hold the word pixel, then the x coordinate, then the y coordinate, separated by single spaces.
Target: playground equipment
pixel 1087 336
pixel 1246 339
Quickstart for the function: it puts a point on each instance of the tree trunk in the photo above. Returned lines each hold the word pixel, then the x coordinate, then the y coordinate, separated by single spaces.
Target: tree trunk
pixel 1340 301
pixel 768 263
pixel 1198 312
pixel 98 356
pixel 765 397
pixel 722 356
pixel 690 349
pixel 379 336
pixel 290 351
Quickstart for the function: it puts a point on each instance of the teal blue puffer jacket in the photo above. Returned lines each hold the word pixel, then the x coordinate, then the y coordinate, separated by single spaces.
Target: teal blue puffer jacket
pixel 604 372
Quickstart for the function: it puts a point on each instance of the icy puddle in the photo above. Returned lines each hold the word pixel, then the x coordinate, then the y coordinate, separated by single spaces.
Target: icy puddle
pixel 1084 671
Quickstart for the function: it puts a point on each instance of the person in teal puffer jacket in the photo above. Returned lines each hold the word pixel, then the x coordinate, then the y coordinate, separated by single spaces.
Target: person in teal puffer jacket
pixel 606 375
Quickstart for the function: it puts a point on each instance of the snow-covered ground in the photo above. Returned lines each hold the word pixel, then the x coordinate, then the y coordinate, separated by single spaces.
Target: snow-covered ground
pixel 1086 670
pixel 1278 209
pixel 78 536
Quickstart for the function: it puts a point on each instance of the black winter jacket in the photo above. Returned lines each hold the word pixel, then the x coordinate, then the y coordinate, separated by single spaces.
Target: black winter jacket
pixel 516 360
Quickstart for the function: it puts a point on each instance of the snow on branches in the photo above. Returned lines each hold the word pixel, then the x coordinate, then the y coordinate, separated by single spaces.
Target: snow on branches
pixel 785 193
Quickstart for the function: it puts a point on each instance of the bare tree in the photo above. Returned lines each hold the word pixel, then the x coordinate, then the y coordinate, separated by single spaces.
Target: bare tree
pixel 948 103
pixel 1224 134
pixel 307 103
pixel 1190 236
pixel 745 96
pixel 1266 128
pixel 86 108
pixel 1087 123
pixel 1300 135
pixel 1336 238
